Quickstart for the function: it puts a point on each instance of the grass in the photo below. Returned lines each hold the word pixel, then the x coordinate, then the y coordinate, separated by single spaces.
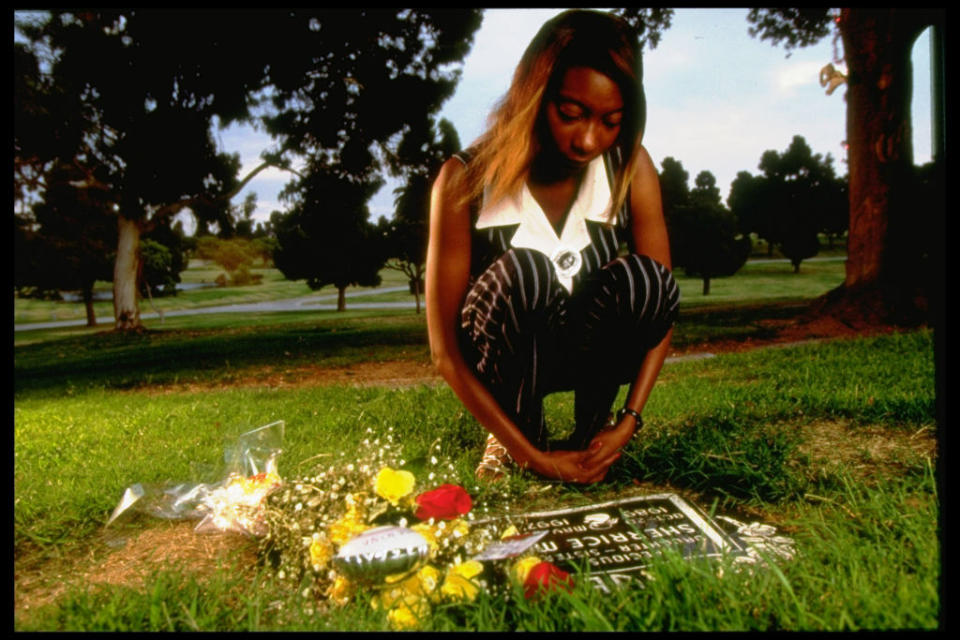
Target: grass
pixel 788 436
pixel 831 443
pixel 756 283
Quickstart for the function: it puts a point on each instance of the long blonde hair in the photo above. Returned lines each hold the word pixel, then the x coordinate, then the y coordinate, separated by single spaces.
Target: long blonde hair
pixel 601 41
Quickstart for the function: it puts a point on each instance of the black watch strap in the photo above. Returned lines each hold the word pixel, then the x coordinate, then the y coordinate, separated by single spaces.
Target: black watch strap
pixel 628 411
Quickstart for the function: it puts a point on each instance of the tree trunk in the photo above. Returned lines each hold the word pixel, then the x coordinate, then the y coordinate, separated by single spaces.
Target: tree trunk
pixel 706 285
pixel 126 303
pixel 885 269
pixel 341 298
pixel 87 293
pixel 418 279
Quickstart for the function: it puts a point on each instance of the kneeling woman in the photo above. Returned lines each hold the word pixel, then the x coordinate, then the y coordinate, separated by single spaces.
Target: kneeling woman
pixel 548 266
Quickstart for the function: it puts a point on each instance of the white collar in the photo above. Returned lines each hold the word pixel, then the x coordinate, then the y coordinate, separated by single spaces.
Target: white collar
pixel 535 230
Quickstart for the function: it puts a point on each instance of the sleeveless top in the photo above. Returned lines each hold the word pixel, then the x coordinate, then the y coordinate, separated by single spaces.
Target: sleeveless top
pixel 601 244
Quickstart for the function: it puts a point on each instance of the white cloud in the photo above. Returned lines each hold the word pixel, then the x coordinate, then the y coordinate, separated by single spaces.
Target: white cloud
pixel 799 74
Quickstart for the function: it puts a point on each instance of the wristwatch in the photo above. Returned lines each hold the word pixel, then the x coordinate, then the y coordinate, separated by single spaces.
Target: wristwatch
pixel 628 411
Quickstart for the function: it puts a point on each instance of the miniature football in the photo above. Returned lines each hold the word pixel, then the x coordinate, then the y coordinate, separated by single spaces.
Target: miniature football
pixel 381 552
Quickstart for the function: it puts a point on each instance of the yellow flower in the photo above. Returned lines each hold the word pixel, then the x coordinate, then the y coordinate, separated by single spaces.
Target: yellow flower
pixel 320 552
pixel 404 616
pixel 428 578
pixel 429 533
pixel 392 485
pixel 404 603
pixel 340 591
pixel 458 528
pixel 387 598
pixel 510 531
pixel 522 567
pixel 422 584
pixel 459 583
pixel 347 527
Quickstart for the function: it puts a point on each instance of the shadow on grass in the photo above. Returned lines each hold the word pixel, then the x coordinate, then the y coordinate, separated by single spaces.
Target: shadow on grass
pixel 210 353
pixel 119 361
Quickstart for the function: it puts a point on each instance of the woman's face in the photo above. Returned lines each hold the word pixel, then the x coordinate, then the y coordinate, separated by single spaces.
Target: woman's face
pixel 584 115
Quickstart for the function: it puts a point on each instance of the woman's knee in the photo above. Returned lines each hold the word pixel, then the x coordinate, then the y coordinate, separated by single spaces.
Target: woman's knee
pixel 642 286
pixel 528 275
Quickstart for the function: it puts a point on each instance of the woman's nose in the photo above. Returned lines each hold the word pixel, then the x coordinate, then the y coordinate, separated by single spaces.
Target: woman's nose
pixel 586 141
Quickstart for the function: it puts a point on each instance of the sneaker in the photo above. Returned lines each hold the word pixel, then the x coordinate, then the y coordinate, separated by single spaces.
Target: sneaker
pixel 495 462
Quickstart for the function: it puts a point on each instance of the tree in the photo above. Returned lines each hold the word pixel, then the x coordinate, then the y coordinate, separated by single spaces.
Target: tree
pixel 705 191
pixel 649 24
pixel 748 202
pixel 236 256
pixel 243 217
pixel 798 186
pixel 704 236
pixel 888 268
pixel 796 198
pixel 65 243
pixel 162 265
pixel 422 153
pixel 383 76
pixel 139 109
pixel 158 274
pixel 326 238
pixel 674 190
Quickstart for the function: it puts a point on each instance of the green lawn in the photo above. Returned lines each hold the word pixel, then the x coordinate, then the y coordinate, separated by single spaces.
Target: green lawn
pixel 831 443
pixel 824 441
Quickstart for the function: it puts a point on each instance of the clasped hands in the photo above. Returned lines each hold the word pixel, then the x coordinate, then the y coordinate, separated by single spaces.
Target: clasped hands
pixel 591 464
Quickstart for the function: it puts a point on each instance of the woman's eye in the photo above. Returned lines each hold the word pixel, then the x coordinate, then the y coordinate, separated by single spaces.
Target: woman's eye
pixel 569 113
pixel 613 121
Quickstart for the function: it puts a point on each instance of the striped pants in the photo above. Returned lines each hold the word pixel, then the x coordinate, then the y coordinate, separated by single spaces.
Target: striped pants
pixel 526 337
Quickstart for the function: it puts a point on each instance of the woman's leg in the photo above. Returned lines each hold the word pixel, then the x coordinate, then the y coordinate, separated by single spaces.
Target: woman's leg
pixel 622 311
pixel 509 332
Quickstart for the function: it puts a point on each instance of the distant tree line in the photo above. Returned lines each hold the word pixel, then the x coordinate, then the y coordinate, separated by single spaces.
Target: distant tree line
pixel 796 197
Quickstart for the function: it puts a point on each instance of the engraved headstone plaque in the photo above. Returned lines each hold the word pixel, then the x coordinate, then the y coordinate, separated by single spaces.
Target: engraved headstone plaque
pixel 619 539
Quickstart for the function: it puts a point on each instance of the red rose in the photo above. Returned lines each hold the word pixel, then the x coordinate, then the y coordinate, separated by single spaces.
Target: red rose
pixel 446 502
pixel 546 577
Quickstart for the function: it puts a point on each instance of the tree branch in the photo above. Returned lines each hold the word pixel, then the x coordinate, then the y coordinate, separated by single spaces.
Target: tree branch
pixel 174 208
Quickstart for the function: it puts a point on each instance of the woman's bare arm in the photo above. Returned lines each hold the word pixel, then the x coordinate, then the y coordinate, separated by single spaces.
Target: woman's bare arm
pixel 649 232
pixel 447 276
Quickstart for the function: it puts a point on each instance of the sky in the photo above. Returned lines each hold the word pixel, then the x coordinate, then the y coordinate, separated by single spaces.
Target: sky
pixel 717 98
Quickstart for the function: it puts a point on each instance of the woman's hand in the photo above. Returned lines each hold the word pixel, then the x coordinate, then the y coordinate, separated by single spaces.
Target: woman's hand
pixel 610 442
pixel 572 466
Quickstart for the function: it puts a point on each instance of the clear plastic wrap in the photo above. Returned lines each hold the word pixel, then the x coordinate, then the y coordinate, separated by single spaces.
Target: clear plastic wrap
pixel 232 504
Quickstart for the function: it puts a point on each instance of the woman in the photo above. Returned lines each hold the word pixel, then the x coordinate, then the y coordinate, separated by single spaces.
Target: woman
pixel 548 266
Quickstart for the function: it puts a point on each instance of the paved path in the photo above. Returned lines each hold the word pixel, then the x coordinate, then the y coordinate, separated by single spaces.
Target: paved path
pixel 308 303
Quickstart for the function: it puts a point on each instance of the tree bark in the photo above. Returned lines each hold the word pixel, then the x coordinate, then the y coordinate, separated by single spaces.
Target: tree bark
pixel 126 307
pixel 885 269
pixel 87 292
pixel 341 298
pixel 706 286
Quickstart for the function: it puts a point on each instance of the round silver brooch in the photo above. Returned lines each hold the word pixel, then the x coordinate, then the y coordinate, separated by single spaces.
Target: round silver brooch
pixel 567 261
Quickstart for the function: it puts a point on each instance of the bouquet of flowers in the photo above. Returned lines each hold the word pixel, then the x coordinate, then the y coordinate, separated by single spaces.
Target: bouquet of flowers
pixel 361 525
pixel 368 524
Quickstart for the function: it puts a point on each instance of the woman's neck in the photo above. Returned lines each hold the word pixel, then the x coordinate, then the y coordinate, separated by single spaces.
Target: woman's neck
pixel 547 171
